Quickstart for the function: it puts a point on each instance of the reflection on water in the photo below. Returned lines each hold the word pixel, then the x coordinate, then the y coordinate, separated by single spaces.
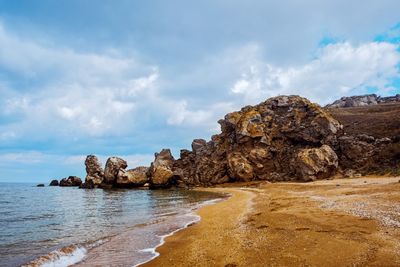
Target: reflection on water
pixel 35 221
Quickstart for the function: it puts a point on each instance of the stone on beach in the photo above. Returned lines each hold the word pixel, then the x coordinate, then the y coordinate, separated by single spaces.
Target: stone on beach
pixel 316 163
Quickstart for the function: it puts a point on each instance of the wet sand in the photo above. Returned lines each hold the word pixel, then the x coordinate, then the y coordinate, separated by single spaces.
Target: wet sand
pixel 343 222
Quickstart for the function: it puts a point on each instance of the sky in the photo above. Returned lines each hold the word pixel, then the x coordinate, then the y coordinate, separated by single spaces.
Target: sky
pixel 128 78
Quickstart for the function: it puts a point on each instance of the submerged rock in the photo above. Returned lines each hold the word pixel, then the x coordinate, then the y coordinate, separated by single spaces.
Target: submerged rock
pixel 136 177
pixel 71 181
pixel 40 185
pixel 53 183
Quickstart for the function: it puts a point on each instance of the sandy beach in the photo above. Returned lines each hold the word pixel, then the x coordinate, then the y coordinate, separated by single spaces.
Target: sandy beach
pixel 341 222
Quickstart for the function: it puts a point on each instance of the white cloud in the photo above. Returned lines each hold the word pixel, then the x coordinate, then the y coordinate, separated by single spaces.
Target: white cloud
pixel 337 70
pixel 83 93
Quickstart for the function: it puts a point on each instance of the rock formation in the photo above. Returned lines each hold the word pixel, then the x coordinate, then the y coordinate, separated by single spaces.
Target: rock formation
pixel 132 178
pixel 94 172
pixel 285 138
pixel 161 170
pixel 315 163
pixel 71 181
pixel 261 143
pixel 362 100
pixel 53 183
pixel 113 166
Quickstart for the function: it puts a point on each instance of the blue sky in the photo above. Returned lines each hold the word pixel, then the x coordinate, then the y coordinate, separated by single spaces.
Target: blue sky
pixel 128 78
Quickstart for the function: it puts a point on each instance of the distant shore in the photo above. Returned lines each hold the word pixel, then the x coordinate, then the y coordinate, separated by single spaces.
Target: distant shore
pixel 350 222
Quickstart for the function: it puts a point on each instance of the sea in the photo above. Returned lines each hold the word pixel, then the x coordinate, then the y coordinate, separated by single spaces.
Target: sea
pixel 68 226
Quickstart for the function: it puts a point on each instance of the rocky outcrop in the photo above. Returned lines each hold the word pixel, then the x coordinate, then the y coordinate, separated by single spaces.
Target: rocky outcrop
pixel 259 143
pixel 53 183
pixel 161 170
pixel 132 178
pixel 94 172
pixel 113 166
pixel 71 181
pixel 363 100
pixel 285 138
pixel 316 163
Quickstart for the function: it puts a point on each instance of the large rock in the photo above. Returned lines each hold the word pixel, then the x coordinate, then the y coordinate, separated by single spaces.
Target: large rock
pixel 113 166
pixel 94 172
pixel 71 181
pixel 316 163
pixel 258 143
pixel 53 183
pixel 132 178
pixel 161 170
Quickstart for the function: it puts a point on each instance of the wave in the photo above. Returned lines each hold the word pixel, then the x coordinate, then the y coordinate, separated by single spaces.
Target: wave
pixel 65 256
pixel 165 225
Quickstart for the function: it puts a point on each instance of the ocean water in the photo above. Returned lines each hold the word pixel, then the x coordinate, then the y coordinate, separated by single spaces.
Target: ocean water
pixel 62 226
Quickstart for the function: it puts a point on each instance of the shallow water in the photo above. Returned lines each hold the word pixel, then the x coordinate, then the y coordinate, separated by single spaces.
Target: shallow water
pixel 96 225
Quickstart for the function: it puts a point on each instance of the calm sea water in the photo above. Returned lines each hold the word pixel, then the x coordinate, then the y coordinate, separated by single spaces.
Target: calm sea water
pixel 78 224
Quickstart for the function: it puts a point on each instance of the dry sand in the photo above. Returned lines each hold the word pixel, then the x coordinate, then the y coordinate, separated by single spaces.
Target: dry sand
pixel 343 222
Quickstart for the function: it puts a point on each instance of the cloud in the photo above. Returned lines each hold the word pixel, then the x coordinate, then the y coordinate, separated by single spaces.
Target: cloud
pixel 337 69
pixel 75 93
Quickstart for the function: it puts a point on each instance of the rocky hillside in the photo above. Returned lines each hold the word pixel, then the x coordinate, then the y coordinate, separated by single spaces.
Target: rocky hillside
pixel 363 100
pixel 285 138
pixel 376 130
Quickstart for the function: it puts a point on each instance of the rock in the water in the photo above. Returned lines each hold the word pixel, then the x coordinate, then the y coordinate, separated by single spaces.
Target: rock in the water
pixel 71 181
pixel 94 172
pixel 160 172
pixel 132 178
pixel 316 163
pixel 40 185
pixel 53 183
pixel 113 166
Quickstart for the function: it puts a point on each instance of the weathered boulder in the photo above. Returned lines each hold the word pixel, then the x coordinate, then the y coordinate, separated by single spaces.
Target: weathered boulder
pixel 161 172
pixel 53 183
pixel 258 143
pixel 71 181
pixel 132 178
pixel 94 172
pixel 240 168
pixel 316 163
pixel 113 166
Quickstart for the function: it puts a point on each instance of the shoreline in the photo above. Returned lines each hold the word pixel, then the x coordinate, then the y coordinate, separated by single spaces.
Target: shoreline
pixel 326 223
pixel 240 198
pixel 131 247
